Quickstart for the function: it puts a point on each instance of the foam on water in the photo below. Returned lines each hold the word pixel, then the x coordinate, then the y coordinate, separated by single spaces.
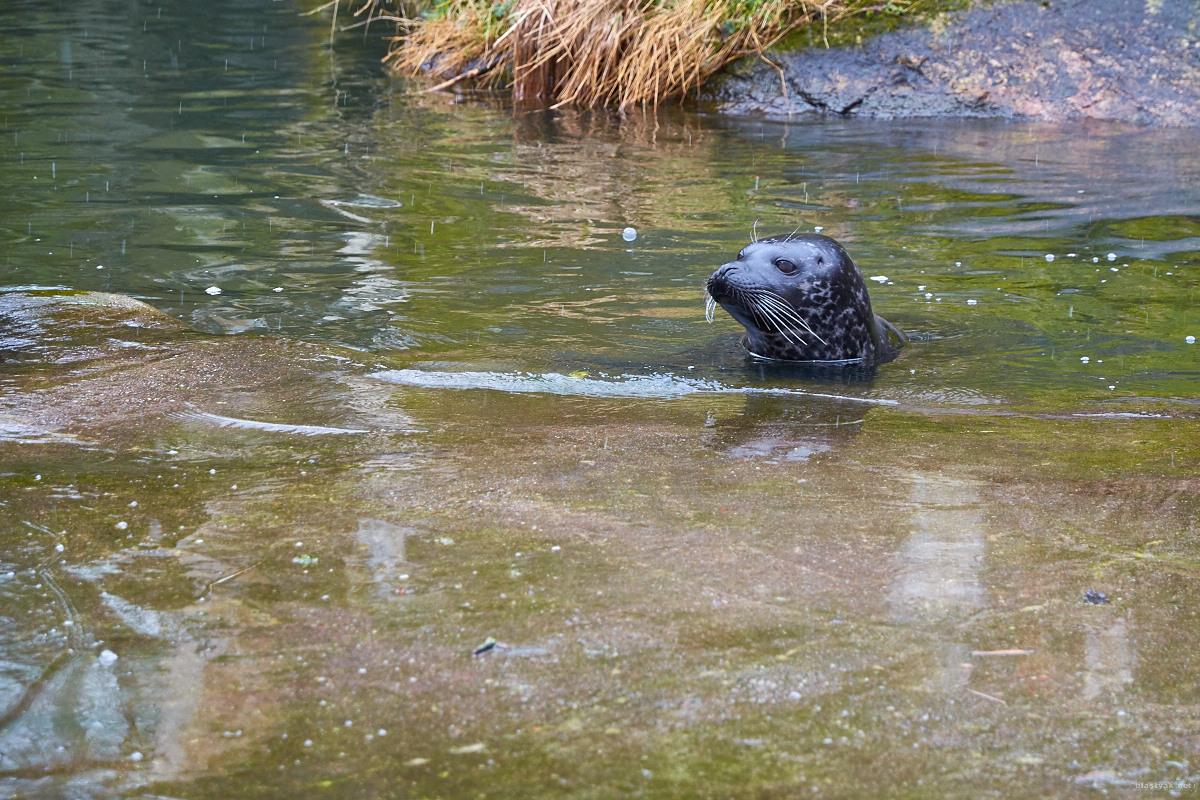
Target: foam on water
pixel 662 387
pixel 253 424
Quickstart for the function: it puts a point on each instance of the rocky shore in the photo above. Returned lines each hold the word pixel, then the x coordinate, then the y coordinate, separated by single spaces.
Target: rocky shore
pixel 1127 60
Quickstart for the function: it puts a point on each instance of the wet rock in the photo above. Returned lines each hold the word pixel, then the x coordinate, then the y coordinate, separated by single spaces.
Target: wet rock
pixel 90 367
pixel 1055 60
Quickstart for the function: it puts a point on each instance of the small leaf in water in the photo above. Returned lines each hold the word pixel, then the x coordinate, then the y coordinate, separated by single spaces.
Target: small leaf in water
pixel 478 747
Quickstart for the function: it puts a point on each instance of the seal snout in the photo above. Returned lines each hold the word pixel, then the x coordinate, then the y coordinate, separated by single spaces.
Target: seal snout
pixel 718 285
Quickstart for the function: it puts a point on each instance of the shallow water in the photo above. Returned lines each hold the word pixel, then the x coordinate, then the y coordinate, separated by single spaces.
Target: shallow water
pixel 443 401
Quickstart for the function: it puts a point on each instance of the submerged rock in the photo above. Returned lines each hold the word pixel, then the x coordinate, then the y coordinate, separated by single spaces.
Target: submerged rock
pixel 1052 60
pixel 90 368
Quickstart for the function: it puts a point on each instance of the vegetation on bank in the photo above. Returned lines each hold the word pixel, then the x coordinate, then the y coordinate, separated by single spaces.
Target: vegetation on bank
pixel 618 53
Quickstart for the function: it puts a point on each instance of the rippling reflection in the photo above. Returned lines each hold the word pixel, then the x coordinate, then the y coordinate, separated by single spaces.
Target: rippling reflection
pixel 467 499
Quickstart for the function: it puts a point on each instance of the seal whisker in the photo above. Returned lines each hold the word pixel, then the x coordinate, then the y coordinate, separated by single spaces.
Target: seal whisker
pixel 710 305
pixel 789 313
pixel 788 331
pixel 754 231
pixel 786 310
pixel 793 233
pixel 766 314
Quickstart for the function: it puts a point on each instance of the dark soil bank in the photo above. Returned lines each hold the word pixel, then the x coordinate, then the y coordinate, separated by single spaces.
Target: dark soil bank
pixel 1131 60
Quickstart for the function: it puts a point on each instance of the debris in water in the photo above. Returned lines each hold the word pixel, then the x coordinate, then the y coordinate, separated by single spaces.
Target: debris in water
pixel 488 644
pixel 107 658
pixel 986 696
pixel 1094 598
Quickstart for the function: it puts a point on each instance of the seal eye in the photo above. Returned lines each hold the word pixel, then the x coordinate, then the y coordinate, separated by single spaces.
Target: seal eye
pixel 785 266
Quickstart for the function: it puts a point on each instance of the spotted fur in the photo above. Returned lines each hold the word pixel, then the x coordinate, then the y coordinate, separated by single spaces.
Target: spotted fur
pixel 802 298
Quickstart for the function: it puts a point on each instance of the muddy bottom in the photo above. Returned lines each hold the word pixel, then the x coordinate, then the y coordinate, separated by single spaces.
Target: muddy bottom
pixel 250 567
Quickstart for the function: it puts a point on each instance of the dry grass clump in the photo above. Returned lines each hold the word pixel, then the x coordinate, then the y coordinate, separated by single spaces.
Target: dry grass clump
pixel 618 53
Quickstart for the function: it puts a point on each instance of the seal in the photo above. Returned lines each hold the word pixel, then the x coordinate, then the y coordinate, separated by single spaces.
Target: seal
pixel 802 298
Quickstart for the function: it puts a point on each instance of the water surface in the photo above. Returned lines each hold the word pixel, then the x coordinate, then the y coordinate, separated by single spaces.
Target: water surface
pixel 439 400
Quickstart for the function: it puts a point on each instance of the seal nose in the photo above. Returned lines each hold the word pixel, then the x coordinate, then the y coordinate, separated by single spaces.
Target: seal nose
pixel 718 282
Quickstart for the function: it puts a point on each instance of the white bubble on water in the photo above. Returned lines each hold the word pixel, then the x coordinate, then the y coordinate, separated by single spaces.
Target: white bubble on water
pixel 1084 359
pixel 213 290
pixel 1049 256
pixel 1190 339
pixel 1111 256
pixel 107 658
pixel 629 234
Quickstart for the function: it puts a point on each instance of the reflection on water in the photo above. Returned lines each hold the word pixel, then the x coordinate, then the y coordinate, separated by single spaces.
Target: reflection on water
pixel 324 203
pixel 243 565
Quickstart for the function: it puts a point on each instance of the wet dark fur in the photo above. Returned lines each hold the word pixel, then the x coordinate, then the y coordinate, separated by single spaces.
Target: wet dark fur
pixel 831 317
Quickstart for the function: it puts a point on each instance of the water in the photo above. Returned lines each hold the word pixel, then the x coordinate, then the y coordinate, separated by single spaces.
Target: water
pixel 492 415
pixel 326 203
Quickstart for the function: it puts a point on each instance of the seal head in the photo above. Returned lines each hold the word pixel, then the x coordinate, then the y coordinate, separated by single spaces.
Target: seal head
pixel 802 298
